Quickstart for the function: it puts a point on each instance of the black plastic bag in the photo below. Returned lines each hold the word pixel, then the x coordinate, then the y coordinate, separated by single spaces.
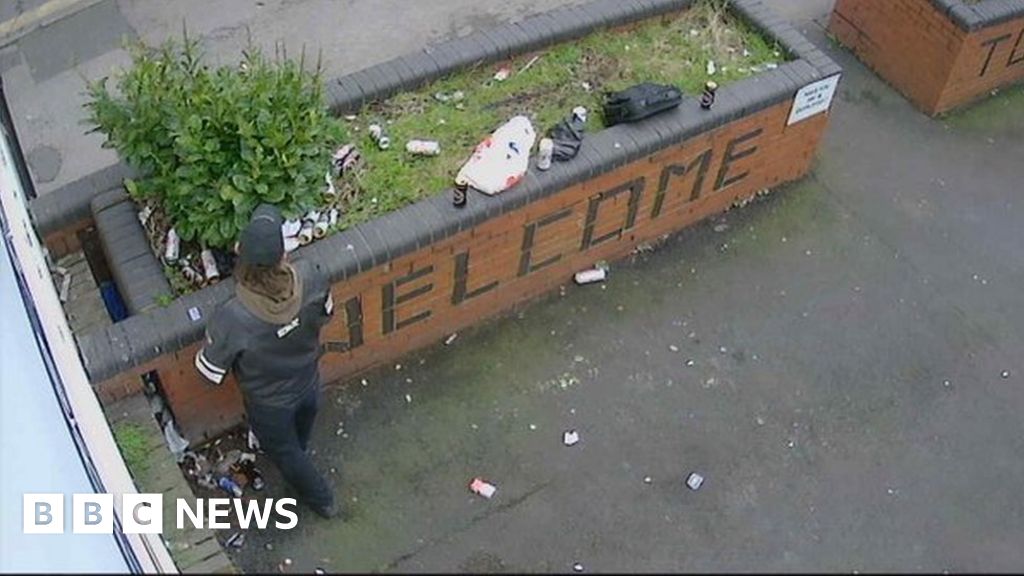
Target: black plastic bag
pixel 568 137
pixel 639 102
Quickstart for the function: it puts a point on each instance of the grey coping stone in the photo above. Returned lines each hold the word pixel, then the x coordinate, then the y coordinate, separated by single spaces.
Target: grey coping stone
pixel 523 41
pixel 535 34
pixel 376 244
pixel 102 352
pixel 410 78
pixel 423 64
pixel 468 51
pixel 475 211
pixel 427 219
pixel 995 12
pixel 388 78
pixel 366 84
pixel 404 233
pixel 486 45
pixel 352 95
pixel 499 41
pixel 546 25
pixel 588 162
pixel 107 199
pixel 525 191
pixel 448 60
pixel 439 62
pixel 71 202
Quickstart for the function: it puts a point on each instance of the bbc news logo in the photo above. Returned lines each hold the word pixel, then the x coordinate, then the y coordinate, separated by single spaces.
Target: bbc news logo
pixel 144 513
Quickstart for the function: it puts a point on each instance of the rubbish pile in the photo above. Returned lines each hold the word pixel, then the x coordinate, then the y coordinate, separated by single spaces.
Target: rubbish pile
pixel 216 467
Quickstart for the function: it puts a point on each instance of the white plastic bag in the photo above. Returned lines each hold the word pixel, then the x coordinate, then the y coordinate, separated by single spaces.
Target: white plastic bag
pixel 501 160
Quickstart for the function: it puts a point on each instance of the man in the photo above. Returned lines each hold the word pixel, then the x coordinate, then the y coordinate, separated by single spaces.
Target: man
pixel 269 335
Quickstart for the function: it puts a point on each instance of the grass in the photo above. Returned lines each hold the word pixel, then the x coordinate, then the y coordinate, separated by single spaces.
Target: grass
pixel 131 439
pixel 670 50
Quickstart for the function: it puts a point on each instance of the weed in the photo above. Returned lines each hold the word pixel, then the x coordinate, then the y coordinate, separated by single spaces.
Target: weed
pixel 131 439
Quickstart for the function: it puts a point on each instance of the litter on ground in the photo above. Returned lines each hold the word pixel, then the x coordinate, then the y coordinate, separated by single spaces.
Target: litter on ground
pixel 570 438
pixel 480 487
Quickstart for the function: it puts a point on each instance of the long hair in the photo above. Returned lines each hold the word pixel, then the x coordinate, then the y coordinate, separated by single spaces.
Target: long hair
pixel 274 282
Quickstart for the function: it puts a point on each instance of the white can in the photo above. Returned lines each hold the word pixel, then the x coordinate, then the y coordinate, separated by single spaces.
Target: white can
pixel 591 276
pixel 306 232
pixel 173 248
pixel 331 190
pixel 291 228
pixel 191 274
pixel 545 152
pixel 210 270
pixel 377 133
pixel 423 147
pixel 321 226
pixel 332 217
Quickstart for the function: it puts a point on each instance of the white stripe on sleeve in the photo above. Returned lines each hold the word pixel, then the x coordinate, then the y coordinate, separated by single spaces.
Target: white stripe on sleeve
pixel 211 372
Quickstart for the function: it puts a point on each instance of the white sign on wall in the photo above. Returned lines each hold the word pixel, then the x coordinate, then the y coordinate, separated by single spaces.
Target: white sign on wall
pixel 813 99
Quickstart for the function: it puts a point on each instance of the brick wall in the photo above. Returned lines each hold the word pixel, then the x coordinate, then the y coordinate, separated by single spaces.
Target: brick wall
pixel 66 240
pixel 420 297
pixel 921 50
pixel 990 58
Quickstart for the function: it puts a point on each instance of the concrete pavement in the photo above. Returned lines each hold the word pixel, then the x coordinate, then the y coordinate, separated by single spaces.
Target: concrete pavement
pixel 854 400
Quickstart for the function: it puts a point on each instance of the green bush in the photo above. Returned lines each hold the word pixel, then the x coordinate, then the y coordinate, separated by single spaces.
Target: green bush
pixel 214 143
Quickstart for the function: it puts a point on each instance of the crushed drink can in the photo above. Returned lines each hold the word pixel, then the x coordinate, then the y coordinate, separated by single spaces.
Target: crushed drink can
pixel 237 540
pixel 591 276
pixel 707 99
pixel 350 162
pixel 483 488
pixel 173 248
pixel 378 135
pixel 210 270
pixel 191 274
pixel 545 152
pixel 694 481
pixel 423 147
pixel 570 438
pixel 321 226
pixel 460 194
pixel 230 486
pixel 331 190
pixel 305 235
pixel 291 228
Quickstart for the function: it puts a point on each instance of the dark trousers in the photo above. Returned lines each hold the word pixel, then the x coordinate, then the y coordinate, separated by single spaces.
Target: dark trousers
pixel 283 434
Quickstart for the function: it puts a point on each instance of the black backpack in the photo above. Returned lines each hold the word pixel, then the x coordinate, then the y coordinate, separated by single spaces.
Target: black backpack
pixel 639 102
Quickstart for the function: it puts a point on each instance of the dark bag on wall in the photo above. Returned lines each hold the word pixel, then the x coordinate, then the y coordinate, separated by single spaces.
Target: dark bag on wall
pixel 568 137
pixel 639 102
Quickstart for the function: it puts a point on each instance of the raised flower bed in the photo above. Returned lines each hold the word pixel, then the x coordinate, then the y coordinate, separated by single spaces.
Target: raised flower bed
pixel 411 276
pixel 940 54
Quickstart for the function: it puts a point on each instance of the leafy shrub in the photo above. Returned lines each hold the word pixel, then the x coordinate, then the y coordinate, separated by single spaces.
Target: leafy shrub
pixel 215 143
